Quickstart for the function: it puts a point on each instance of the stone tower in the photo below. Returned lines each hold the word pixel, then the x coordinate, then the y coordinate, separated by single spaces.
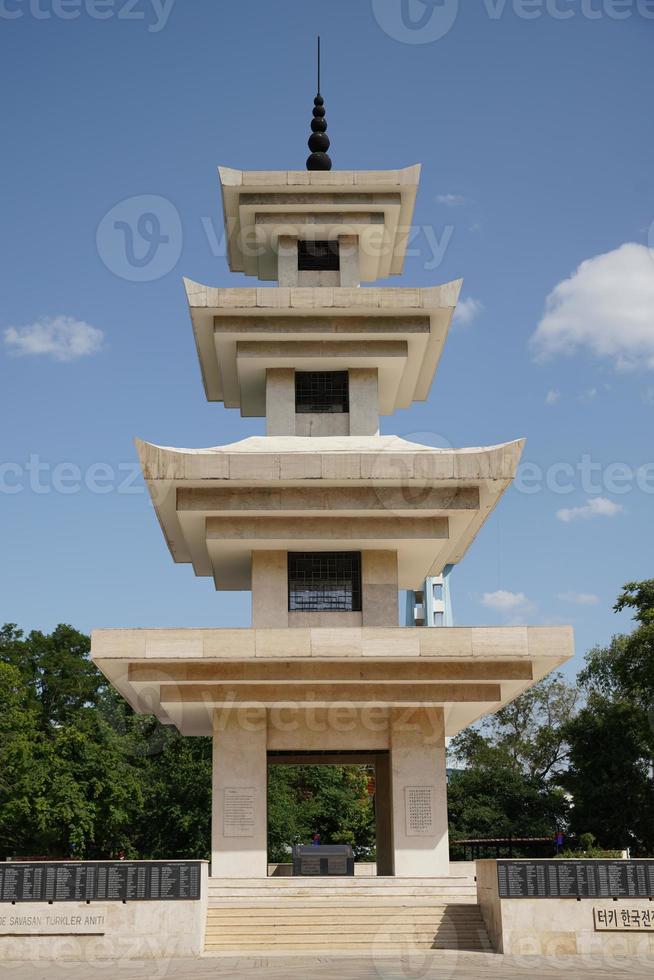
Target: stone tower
pixel 324 520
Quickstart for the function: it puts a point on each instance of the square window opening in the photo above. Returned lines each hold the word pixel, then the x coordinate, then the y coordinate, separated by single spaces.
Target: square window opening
pixel 324 581
pixel 320 256
pixel 322 392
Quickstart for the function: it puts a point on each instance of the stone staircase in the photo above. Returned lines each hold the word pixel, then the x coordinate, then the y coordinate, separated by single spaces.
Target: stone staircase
pixel 372 915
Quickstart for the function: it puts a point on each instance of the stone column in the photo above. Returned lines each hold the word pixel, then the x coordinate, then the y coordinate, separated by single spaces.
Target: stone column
pixel 287 270
pixel 239 824
pixel 348 247
pixel 419 788
pixel 280 402
pixel 379 587
pixel 364 402
pixel 270 589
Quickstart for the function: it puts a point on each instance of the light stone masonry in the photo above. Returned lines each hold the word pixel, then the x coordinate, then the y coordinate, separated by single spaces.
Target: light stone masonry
pixel 324 520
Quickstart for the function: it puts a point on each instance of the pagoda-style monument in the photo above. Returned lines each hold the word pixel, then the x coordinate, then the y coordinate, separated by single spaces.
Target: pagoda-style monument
pixel 324 520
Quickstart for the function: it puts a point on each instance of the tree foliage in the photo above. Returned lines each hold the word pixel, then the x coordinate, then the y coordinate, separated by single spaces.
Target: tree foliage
pixel 81 774
pixel 331 801
pixel 510 764
pixel 610 772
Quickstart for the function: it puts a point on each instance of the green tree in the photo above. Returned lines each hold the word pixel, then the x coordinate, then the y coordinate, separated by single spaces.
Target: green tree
pixel 59 678
pixel 508 784
pixel 21 769
pixel 332 801
pixel 612 739
pixel 79 772
pixel 176 812
pixel 633 669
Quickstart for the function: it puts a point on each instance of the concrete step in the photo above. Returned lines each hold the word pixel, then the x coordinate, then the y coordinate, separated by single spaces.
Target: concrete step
pixel 341 928
pixel 427 939
pixel 345 884
pixel 356 914
pixel 326 889
pixel 315 910
pixel 321 887
pixel 348 906
pixel 340 923
pixel 327 905
pixel 366 945
pixel 403 897
pixel 352 935
pixel 365 924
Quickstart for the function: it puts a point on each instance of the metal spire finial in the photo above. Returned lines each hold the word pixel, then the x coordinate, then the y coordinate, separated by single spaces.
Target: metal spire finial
pixel 319 140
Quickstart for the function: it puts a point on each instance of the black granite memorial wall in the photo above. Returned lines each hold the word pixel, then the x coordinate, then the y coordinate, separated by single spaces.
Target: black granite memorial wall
pixel 106 881
pixel 576 879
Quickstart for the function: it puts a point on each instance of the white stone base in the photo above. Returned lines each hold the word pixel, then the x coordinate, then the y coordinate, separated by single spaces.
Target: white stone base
pixel 555 927
pixel 138 930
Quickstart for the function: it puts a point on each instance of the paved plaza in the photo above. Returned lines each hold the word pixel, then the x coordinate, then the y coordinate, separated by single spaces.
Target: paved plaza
pixel 416 966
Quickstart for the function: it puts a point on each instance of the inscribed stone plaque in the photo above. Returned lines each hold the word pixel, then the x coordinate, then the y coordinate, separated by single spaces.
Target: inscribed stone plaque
pixel 238 813
pixel 310 864
pixel 337 865
pixel 419 805
pixel 52 922
pixel 623 919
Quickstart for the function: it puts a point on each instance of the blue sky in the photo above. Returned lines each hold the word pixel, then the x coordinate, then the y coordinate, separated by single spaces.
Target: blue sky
pixel 536 141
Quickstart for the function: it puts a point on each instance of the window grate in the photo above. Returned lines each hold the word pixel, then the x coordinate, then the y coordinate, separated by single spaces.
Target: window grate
pixel 318 257
pixel 324 581
pixel 323 392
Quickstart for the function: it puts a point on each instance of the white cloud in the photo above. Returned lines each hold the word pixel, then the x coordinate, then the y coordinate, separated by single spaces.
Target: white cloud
pixel 467 311
pixel 62 338
pixel 596 507
pixel 452 200
pixel 648 396
pixel 588 396
pixel 606 307
pixel 552 396
pixel 505 602
pixel 579 598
